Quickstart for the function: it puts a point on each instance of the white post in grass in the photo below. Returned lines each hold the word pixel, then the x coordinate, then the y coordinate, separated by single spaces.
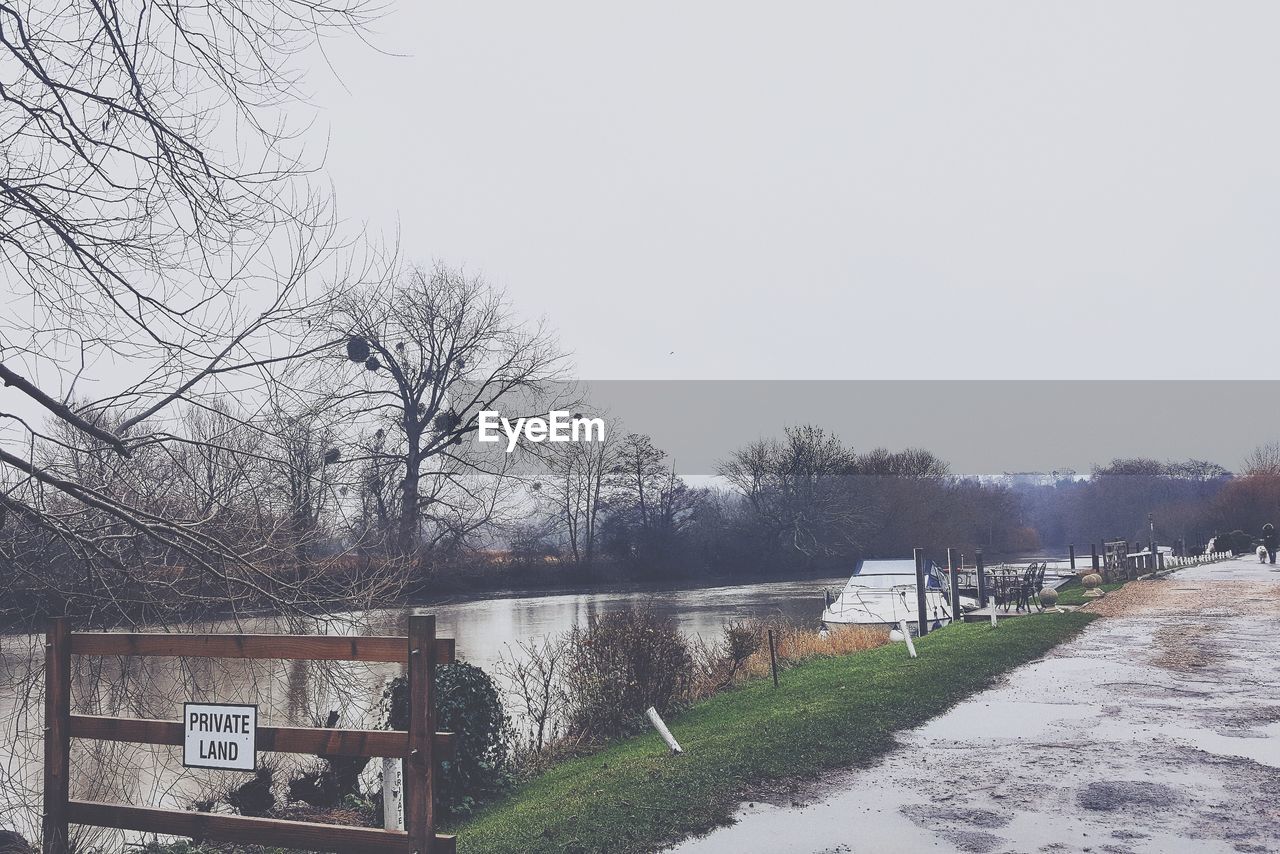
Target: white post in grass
pixel 906 635
pixel 662 730
pixel 392 794
pixel 994 624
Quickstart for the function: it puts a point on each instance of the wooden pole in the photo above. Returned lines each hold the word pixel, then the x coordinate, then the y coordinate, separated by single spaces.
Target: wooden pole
pixel 773 659
pixel 419 800
pixel 982 580
pixel 1093 556
pixel 392 793
pixel 57 736
pixel 922 611
pixel 1071 551
pixel 954 572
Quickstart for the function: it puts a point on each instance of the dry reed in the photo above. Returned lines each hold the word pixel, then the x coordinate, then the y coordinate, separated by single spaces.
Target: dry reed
pixel 793 643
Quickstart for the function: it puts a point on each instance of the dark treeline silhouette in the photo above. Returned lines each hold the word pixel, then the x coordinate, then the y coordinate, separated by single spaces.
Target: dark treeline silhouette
pixel 807 503
pixel 801 504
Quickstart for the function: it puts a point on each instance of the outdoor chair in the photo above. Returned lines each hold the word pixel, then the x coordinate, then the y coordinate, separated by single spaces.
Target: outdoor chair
pixel 1008 588
pixel 1032 581
pixel 1026 588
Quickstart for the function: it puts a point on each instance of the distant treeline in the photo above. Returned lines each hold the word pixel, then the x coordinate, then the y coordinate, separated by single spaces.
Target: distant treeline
pixel 806 502
pixel 801 504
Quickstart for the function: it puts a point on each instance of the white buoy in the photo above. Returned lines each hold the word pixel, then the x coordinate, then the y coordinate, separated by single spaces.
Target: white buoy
pixel 392 794
pixel 662 730
pixel 906 635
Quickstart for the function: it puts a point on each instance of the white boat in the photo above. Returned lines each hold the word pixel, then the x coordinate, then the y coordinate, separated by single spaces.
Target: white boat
pixel 883 593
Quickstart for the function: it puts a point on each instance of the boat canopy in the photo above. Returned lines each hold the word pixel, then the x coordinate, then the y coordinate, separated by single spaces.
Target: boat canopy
pixel 886 574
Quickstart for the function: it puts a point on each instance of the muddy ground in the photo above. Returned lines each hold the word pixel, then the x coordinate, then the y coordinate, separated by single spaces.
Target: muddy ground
pixel 1157 730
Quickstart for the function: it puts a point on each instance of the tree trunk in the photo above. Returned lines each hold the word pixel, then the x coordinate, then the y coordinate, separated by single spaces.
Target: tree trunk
pixel 408 535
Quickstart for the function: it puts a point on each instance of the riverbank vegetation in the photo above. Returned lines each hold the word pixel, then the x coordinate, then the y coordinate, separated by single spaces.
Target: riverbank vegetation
pixel 590 685
pixel 573 695
pixel 839 701
pixel 826 713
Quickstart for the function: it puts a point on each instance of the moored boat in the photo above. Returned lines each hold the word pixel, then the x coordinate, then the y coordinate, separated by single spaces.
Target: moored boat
pixel 883 592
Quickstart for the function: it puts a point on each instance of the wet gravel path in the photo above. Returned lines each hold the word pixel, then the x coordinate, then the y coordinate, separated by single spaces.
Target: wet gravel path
pixel 1157 730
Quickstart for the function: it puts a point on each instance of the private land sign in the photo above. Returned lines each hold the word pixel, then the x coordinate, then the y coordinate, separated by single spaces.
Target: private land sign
pixel 220 736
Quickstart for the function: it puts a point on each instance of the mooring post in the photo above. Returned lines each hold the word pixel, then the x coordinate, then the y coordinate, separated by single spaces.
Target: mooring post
pixel 906 636
pixel 663 730
pixel 1093 556
pixel 773 659
pixel 57 736
pixel 419 766
pixel 1071 552
pixel 922 611
pixel 953 570
pixel 982 580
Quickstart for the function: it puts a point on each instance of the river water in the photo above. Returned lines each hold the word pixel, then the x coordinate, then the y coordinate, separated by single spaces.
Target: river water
pixel 303 693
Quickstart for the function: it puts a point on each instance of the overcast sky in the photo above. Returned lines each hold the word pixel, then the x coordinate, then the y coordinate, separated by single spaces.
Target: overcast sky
pixel 809 190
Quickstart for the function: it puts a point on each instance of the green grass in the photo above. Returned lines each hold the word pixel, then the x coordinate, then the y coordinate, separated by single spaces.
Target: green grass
pixel 1074 594
pixel 633 796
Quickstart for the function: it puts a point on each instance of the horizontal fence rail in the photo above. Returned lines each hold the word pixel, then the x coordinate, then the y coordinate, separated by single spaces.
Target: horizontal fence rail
pixel 389 650
pixel 420 747
pixel 272 739
pixel 236 828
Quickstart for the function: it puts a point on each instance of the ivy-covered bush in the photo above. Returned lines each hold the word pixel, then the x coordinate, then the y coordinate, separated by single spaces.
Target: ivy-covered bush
pixel 469 705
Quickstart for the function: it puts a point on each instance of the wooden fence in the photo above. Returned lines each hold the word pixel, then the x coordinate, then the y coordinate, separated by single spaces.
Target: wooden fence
pixel 420 746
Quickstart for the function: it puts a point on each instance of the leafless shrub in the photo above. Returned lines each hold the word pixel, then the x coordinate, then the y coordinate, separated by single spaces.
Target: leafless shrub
pixel 617 666
pixel 534 676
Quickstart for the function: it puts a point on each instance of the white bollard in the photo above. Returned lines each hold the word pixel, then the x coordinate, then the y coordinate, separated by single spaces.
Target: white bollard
pixel 662 730
pixel 392 794
pixel 906 635
pixel 994 624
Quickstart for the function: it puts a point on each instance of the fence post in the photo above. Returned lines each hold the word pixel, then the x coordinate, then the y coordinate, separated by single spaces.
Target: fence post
pixel 392 794
pixel 982 580
pixel 1093 556
pixel 922 611
pixel 954 572
pixel 773 659
pixel 419 766
pixel 57 736
pixel 1071 552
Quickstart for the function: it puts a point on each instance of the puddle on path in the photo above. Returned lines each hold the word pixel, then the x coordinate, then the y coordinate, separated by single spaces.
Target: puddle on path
pixel 1101 747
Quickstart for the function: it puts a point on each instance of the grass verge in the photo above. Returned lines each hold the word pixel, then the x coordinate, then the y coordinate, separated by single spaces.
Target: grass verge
pixel 1074 595
pixel 827 713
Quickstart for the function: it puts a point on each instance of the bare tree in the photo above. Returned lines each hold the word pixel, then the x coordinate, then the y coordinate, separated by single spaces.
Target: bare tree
pixel 638 474
pixel 575 489
pixel 158 225
pixel 534 673
pixel 432 349
pixel 649 505
pixel 1262 460
pixel 801 491
pixel 305 465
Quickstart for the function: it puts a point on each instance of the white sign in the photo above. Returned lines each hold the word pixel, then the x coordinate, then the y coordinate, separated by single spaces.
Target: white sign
pixel 220 736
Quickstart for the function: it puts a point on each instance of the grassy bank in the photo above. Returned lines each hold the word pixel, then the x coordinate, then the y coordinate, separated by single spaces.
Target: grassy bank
pixel 827 713
pixel 1074 594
